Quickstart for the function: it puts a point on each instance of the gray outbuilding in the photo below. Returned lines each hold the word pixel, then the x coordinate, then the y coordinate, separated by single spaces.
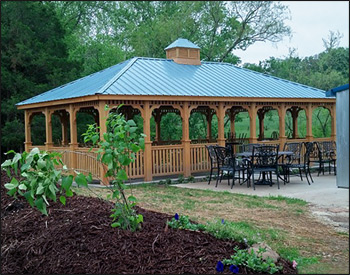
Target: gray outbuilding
pixel 342 125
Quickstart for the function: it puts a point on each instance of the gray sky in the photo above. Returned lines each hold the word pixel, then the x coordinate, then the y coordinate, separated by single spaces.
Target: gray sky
pixel 311 21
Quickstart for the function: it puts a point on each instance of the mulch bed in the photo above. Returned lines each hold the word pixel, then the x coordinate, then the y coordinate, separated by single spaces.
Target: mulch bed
pixel 78 239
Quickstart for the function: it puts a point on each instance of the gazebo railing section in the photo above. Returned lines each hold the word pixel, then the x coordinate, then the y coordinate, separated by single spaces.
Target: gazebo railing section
pixel 166 159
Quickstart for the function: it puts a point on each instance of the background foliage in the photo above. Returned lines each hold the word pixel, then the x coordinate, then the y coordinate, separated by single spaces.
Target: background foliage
pixel 49 43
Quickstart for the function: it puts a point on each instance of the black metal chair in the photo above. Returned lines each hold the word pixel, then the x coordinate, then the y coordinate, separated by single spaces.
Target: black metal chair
pixel 213 160
pixel 264 162
pixel 228 163
pixel 307 160
pixel 320 156
pixel 329 149
pixel 290 162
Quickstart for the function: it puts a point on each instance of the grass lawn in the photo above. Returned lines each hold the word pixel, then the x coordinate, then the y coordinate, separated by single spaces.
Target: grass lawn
pixel 285 224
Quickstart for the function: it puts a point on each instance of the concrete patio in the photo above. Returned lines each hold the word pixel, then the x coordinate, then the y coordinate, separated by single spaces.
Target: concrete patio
pixel 328 202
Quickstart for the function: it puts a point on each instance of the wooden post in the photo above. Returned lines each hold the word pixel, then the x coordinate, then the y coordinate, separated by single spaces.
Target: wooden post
pixel 102 120
pixel 252 114
pixel 232 122
pixel 295 113
pixel 157 119
pixel 309 122
pixel 185 114
pixel 64 125
pixel 209 117
pixel 148 143
pixel 27 130
pixel 282 122
pixel 333 123
pixel 73 136
pixel 48 127
pixel 221 124
pixel 261 116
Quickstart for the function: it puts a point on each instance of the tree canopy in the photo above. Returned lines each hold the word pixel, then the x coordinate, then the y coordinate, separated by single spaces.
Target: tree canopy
pixel 49 43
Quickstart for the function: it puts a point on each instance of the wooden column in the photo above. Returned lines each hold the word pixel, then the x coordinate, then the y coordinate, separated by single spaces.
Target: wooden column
pixel 333 123
pixel 282 122
pixel 147 154
pixel 309 136
pixel 232 122
pixel 221 124
pixel 48 127
pixel 73 136
pixel 209 117
pixel 295 113
pixel 261 116
pixel 64 125
pixel 103 114
pixel 252 114
pixel 157 119
pixel 27 130
pixel 185 114
pixel 102 120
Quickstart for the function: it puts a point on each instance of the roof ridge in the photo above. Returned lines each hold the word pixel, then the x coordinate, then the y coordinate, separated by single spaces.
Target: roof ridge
pixel 115 78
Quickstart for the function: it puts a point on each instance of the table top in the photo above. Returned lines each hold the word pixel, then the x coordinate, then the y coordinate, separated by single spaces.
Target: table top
pixel 249 154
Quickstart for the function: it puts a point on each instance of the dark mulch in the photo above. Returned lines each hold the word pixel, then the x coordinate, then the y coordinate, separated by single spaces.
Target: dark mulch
pixel 77 238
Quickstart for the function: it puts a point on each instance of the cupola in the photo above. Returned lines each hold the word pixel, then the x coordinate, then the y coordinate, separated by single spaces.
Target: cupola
pixel 183 51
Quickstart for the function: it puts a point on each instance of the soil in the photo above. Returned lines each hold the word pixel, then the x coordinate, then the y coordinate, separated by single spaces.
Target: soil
pixel 78 239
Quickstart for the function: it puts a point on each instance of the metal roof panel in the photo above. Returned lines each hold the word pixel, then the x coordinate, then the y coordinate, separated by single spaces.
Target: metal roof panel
pixel 155 76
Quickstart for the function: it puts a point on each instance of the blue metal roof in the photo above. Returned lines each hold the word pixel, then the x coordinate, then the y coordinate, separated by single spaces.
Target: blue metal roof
pixel 333 91
pixel 164 77
pixel 182 43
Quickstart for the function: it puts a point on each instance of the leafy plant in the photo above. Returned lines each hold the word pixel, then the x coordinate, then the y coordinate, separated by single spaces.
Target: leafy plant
pixel 40 181
pixel 253 261
pixel 183 222
pixel 117 150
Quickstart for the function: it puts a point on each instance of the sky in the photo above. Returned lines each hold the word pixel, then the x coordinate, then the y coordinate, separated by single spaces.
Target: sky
pixel 310 22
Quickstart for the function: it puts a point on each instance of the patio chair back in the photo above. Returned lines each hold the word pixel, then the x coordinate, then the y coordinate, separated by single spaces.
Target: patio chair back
pixel 213 160
pixel 294 147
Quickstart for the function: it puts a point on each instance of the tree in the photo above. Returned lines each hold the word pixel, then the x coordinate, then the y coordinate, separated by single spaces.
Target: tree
pixel 33 60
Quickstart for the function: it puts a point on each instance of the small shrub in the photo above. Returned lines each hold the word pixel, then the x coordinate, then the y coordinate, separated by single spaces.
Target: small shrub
pixel 253 261
pixel 117 150
pixel 40 178
pixel 183 222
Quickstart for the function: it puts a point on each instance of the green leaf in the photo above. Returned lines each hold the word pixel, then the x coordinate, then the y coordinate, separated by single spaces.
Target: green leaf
pixel 67 182
pixel 29 198
pixel 6 163
pixel 63 200
pixel 115 224
pixel 16 158
pixel 107 158
pixel 40 189
pixel 12 192
pixel 52 189
pixel 132 198
pixel 131 122
pixel 121 175
pixel 69 193
pixel 95 138
pixel 41 163
pixel 135 148
pixel 39 203
pixel 22 187
pixel 124 160
pixel 10 186
pixel 25 166
pixel 80 179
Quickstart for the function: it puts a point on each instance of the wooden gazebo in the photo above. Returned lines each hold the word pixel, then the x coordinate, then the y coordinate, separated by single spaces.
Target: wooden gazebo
pixel 181 84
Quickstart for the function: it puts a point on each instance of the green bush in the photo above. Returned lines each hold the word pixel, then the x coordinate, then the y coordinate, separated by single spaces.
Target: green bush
pixel 40 178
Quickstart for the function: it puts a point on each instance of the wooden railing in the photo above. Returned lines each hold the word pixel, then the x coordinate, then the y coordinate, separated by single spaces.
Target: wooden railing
pixel 200 161
pixel 167 160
